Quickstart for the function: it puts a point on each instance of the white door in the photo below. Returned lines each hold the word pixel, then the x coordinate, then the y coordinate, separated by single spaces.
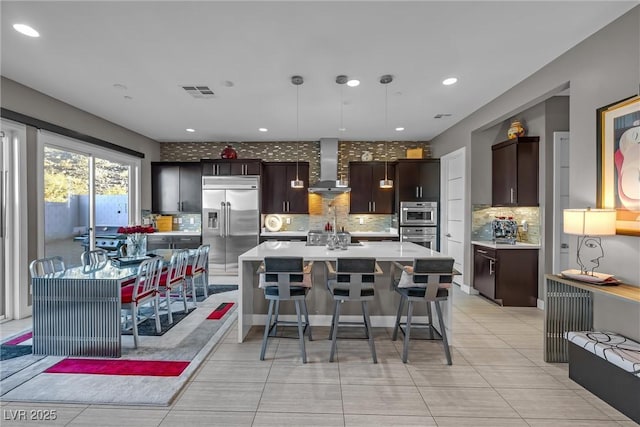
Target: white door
pixel 453 179
pixel 560 200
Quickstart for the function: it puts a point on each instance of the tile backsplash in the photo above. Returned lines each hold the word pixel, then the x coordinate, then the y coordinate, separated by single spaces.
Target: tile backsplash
pixel 482 215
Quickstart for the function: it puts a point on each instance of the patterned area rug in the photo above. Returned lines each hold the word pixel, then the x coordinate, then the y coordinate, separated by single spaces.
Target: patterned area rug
pixel 24 378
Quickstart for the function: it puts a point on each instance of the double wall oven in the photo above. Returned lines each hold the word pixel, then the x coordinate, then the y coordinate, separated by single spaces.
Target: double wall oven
pixel 419 223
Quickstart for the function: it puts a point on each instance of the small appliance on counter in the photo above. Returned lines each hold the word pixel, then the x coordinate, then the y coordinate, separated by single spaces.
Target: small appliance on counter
pixel 505 230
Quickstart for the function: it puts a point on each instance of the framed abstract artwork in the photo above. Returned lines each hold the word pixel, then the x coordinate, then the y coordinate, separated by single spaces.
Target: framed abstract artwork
pixel 619 163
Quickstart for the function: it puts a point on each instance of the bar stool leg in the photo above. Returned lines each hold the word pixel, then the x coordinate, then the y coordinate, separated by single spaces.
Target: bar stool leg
pixel 301 332
pixel 445 342
pixel 306 316
pixel 267 326
pixel 334 333
pixel 398 318
pixel 407 332
pixel 430 319
pixel 275 321
pixel 367 320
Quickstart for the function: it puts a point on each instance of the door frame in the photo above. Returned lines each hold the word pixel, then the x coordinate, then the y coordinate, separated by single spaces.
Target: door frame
pixel 558 184
pixel 444 191
pixel 16 249
pixel 92 151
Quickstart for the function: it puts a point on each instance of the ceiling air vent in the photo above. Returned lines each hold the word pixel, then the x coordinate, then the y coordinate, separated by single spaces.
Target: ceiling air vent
pixel 199 91
pixel 441 115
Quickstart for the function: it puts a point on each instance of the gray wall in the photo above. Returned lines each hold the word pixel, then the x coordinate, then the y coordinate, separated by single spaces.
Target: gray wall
pixel 24 100
pixel 602 69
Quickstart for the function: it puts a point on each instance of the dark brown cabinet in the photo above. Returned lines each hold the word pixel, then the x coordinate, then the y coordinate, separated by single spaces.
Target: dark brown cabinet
pixel 226 167
pixel 366 195
pixel 277 194
pixel 506 276
pixel 514 172
pixel 176 187
pixel 418 180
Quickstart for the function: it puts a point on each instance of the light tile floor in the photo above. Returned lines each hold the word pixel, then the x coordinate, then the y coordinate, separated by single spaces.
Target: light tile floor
pixel 498 378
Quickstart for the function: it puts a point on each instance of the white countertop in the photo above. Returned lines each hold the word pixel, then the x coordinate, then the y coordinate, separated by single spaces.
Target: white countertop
pixel 382 251
pixel 177 233
pixel 494 245
pixel 353 233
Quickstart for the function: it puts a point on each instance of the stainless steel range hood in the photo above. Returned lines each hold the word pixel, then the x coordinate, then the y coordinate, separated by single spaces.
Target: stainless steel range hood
pixel 328 168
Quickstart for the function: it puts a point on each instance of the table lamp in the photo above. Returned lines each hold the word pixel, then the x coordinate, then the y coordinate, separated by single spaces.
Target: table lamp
pixel 587 224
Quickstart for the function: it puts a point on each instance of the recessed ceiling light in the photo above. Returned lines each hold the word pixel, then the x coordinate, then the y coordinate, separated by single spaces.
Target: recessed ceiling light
pixel 26 30
pixel 399 129
pixel 449 81
pixel 263 129
pixel 190 130
pixel 353 83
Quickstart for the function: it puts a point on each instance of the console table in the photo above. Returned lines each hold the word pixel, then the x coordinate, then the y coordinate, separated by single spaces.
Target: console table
pixel 569 307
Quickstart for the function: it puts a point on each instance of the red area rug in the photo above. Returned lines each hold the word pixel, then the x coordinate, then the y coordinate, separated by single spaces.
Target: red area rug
pixel 150 368
pixel 220 311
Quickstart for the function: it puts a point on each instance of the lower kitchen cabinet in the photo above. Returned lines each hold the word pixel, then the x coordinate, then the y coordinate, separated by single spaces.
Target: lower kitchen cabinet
pixel 506 276
pixel 165 241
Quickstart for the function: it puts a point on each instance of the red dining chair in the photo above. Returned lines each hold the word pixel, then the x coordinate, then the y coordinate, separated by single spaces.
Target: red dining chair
pixel 174 279
pixel 143 290
pixel 199 269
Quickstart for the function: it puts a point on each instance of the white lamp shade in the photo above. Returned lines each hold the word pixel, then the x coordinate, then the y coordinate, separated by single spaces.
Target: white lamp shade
pixel 590 222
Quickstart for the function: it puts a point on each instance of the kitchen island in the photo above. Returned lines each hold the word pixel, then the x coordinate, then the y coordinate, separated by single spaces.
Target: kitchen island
pixel 252 306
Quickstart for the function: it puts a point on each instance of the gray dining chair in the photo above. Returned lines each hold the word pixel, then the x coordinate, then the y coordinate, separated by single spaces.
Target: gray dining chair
pixel 46 266
pixel 143 290
pixel 174 279
pixel 427 282
pixel 95 257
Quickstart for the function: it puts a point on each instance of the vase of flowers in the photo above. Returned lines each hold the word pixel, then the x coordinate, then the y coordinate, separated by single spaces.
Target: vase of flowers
pixel 136 239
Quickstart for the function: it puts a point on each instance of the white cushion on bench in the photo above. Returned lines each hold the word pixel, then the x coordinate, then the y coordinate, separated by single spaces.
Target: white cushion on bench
pixel 619 350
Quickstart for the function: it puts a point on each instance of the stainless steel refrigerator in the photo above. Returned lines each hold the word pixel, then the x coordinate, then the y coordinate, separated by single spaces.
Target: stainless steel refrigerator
pixel 230 219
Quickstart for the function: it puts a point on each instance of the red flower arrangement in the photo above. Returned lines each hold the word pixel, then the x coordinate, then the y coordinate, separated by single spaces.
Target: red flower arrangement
pixel 136 229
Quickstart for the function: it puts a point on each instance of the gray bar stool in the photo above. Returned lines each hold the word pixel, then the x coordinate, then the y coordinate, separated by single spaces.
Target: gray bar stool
pixel 285 279
pixel 352 280
pixel 427 282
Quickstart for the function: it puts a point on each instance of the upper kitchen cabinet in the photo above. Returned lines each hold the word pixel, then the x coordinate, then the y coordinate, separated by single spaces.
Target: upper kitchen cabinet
pixel 514 172
pixel 366 196
pixel 176 187
pixel 418 180
pixel 226 167
pixel 277 194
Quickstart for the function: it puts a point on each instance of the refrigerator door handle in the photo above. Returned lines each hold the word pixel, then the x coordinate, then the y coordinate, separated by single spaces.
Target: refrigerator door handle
pixel 228 218
pixel 223 220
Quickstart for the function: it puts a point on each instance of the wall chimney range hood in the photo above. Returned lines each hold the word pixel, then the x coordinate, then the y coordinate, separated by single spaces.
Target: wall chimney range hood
pixel 328 169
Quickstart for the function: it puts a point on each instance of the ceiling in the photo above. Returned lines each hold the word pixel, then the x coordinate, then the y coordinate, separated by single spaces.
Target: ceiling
pixel 127 61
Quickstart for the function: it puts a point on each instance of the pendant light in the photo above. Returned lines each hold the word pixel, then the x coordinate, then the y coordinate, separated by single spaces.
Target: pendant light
pixel 341 80
pixel 385 80
pixel 297 81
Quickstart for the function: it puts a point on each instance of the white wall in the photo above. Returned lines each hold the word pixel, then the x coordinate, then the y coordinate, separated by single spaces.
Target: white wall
pixel 601 70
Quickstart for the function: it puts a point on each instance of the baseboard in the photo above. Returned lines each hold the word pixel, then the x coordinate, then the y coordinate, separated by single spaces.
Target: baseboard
pixel 467 289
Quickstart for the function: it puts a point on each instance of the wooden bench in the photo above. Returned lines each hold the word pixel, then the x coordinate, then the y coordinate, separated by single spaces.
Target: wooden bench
pixel 608 365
